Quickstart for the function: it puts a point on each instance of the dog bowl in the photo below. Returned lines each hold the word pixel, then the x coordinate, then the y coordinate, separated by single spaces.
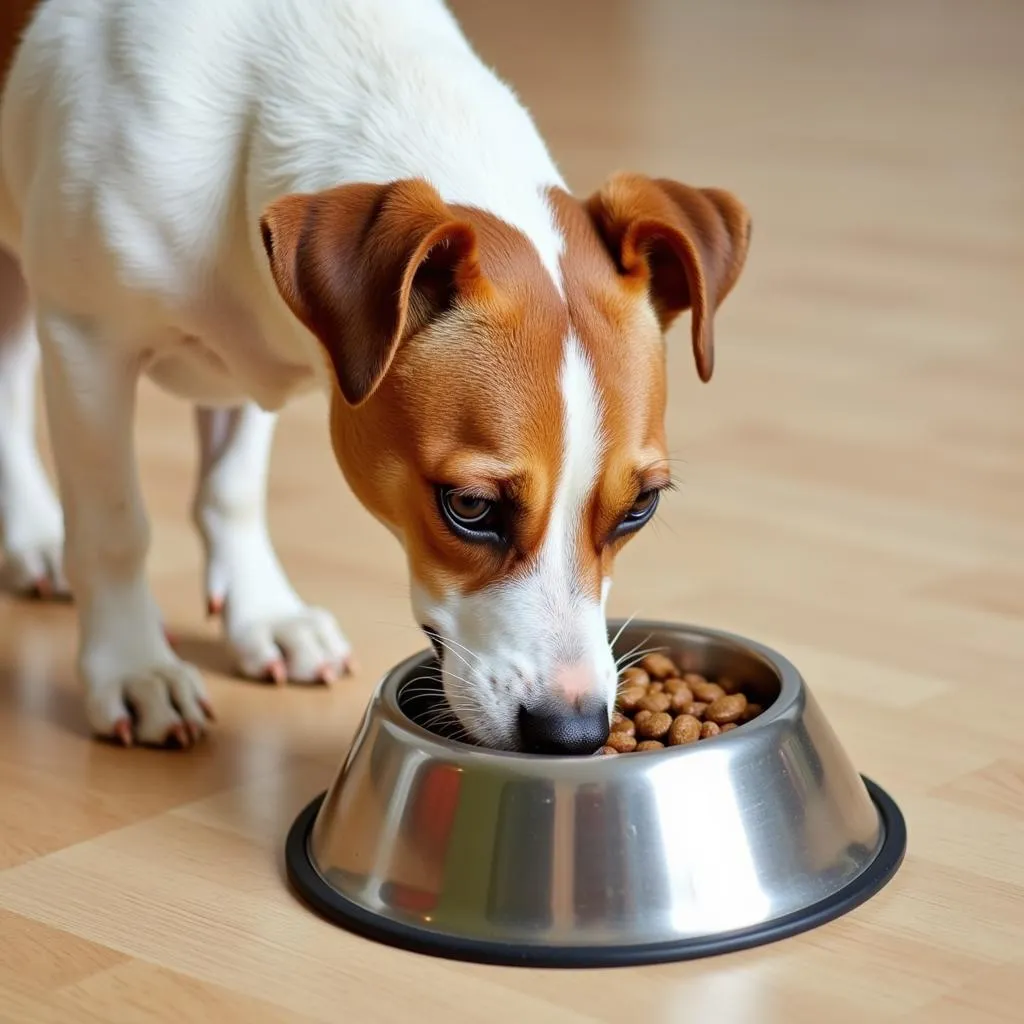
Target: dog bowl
pixel 439 846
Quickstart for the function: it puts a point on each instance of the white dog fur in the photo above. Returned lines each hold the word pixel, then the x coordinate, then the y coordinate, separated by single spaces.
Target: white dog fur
pixel 140 143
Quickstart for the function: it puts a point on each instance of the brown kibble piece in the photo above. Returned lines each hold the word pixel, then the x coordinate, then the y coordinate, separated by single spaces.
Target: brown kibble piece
pixel 655 702
pixel 685 729
pixel 630 698
pixel 727 684
pixel 675 686
pixel 621 742
pixel 606 751
pixel 709 729
pixel 693 677
pixel 681 699
pixel 653 727
pixel 649 745
pixel 751 711
pixel 658 666
pixel 655 687
pixel 635 676
pixel 620 723
pixel 707 692
pixel 729 726
pixel 695 708
pixel 726 709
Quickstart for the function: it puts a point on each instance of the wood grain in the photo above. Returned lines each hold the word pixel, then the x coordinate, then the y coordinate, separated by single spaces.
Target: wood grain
pixel 852 493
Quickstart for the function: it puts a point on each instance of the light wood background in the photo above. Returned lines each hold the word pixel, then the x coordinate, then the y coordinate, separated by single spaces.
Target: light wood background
pixel 853 493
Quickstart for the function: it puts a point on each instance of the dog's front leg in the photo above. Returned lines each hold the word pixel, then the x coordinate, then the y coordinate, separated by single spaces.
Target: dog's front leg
pixel 271 631
pixel 136 687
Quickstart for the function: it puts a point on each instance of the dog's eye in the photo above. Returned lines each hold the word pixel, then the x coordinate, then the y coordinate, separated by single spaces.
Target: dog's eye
pixel 467 508
pixel 644 505
pixel 470 516
pixel 640 512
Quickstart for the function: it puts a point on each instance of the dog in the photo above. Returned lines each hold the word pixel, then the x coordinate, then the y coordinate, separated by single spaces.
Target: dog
pixel 245 200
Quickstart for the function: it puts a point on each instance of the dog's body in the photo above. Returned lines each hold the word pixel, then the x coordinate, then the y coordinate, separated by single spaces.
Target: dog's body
pixel 247 199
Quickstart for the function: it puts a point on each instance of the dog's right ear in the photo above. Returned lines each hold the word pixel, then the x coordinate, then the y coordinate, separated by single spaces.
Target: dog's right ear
pixel 364 267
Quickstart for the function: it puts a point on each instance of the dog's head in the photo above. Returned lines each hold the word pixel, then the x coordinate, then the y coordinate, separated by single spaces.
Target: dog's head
pixel 506 421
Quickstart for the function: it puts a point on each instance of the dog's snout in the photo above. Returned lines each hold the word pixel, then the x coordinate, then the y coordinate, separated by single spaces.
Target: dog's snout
pixel 563 729
pixel 574 682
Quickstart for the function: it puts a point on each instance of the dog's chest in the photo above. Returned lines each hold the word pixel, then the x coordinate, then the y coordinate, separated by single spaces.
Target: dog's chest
pixel 209 370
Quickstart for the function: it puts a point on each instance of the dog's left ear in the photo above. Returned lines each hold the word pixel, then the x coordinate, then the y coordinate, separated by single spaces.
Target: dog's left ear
pixel 686 246
pixel 364 267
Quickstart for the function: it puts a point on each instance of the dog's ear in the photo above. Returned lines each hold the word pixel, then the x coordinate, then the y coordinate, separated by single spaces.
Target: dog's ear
pixel 685 246
pixel 364 267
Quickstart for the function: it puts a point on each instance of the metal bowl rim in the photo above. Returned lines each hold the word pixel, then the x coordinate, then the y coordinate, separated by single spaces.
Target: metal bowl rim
pixel 791 693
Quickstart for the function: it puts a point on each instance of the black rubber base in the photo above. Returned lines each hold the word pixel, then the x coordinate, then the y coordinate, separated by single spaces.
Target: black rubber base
pixel 336 908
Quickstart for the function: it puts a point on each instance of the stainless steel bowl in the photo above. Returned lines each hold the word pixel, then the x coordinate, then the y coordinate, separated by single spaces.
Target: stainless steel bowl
pixel 446 848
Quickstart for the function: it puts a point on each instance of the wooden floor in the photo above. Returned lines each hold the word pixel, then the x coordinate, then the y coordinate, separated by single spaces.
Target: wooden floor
pixel 853 494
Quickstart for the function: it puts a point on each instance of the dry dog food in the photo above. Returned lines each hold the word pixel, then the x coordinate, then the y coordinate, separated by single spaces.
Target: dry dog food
pixel 659 706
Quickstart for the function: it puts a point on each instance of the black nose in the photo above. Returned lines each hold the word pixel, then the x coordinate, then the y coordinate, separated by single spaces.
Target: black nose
pixel 563 730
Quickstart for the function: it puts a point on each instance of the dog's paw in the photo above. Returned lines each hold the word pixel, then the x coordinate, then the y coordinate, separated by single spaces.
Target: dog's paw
pixel 304 646
pixel 38 571
pixel 271 632
pixel 162 705
pixel 33 540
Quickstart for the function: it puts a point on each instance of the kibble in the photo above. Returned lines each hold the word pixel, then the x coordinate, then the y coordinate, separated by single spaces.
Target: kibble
pixel 707 692
pixel 726 709
pixel 652 725
pixel 685 729
pixel 620 723
pixel 655 702
pixel 629 699
pixel 635 676
pixel 752 710
pixel 659 666
pixel 676 686
pixel 661 706
pixel 681 700
pixel 621 741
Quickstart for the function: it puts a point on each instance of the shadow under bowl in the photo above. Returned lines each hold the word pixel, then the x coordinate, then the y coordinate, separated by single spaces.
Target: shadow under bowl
pixel 447 848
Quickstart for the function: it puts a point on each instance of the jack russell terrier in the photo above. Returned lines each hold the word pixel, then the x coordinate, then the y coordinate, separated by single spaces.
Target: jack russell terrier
pixel 247 199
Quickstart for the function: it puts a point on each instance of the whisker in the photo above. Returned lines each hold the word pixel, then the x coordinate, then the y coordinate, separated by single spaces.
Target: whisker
pixel 471 653
pixel 446 644
pixel 615 639
pixel 634 648
pixel 640 657
pixel 446 639
pixel 635 656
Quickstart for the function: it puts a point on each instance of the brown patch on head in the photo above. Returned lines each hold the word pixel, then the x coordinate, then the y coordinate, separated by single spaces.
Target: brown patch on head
pixel 478 394
pixel 637 254
pixel 683 246
pixel 446 334
pixel 618 332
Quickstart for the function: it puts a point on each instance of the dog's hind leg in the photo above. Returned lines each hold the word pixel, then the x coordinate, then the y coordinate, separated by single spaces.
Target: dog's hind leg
pixel 31 523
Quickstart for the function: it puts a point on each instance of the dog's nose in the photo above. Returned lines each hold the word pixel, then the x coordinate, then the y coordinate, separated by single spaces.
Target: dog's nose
pixel 563 729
